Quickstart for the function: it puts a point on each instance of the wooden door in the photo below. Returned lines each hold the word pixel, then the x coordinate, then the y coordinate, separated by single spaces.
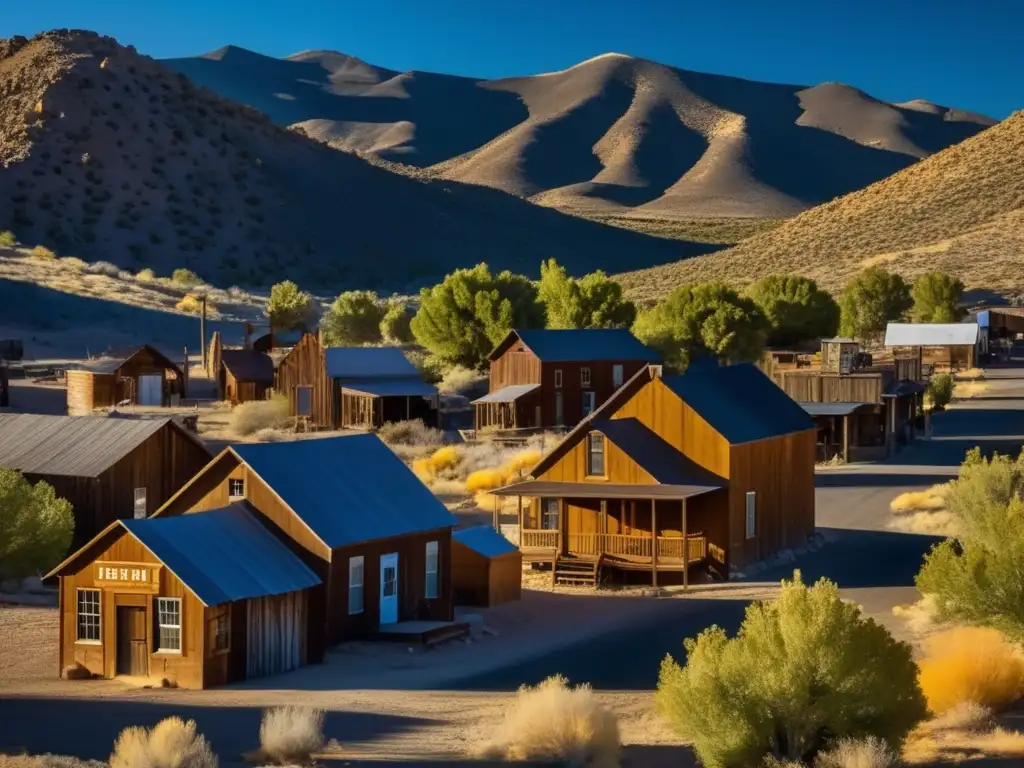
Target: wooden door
pixel 132 644
pixel 151 389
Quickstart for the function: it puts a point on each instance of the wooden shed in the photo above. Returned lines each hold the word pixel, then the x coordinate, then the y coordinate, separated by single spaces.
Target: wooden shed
pixel 107 467
pixel 487 568
pixel 949 346
pixel 839 355
pixel 139 376
pixel 245 375
pixel 165 599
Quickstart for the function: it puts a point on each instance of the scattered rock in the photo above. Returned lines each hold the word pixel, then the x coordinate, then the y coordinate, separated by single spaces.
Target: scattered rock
pixel 75 672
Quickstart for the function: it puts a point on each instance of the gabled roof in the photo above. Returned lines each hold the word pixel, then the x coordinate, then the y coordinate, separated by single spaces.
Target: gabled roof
pixel 75 446
pixel 112 359
pixel 931 334
pixel 346 489
pixel 580 345
pixel 655 456
pixel 248 365
pixel 739 402
pixel 368 363
pixel 484 540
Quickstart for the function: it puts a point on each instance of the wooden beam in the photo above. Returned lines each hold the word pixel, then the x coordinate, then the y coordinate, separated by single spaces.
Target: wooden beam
pixel 408 406
pixel 654 543
pixel 686 552
pixel 846 439
pixel 519 504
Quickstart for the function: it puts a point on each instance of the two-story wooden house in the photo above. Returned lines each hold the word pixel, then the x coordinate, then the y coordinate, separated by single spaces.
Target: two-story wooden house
pixel 713 466
pixel 550 379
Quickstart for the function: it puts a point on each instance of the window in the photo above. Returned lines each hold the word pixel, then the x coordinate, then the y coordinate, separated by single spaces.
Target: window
pixel 168 611
pixel 751 514
pixel 589 402
pixel 236 489
pixel 549 515
pixel 558 378
pixel 432 581
pixel 617 376
pixel 303 401
pixel 140 503
pixel 595 454
pixel 584 377
pixel 222 633
pixel 89 616
pixel 355 585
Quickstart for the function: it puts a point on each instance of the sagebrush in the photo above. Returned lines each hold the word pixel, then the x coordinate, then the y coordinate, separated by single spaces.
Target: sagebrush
pixel 291 734
pixel 252 417
pixel 171 743
pixel 971 665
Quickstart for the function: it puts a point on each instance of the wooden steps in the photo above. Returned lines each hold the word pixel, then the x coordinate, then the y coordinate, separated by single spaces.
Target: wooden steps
pixel 575 572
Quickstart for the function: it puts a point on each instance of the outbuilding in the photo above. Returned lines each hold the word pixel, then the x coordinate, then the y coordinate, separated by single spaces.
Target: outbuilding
pixel 245 375
pixel 138 376
pixel 950 346
pixel 487 568
pixel 199 601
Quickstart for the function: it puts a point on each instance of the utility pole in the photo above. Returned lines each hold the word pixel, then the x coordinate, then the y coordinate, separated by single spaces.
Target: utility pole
pixel 202 331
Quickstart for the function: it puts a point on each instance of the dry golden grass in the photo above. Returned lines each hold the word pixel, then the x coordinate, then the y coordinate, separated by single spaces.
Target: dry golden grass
pixel 970 665
pixel 968 389
pixel 870 752
pixel 171 743
pixel 717 231
pixel 916 501
pixel 47 761
pixel 42 252
pixel 253 417
pixel 290 735
pixel 920 618
pixel 965 732
pixel 923 512
pixel 437 466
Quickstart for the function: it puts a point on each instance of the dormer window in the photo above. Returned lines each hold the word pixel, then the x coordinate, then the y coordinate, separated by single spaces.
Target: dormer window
pixel 236 489
pixel 595 454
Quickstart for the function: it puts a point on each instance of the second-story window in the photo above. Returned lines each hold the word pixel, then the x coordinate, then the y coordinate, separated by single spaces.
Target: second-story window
pixel 558 378
pixel 584 377
pixel 236 488
pixel 595 454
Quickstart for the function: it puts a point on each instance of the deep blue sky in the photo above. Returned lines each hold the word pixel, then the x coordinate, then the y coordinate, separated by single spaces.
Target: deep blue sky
pixel 955 52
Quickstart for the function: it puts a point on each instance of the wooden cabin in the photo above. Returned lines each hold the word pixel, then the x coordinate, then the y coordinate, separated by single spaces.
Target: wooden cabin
pixel 946 346
pixel 714 467
pixel 487 568
pixel 139 376
pixel 245 375
pixel 354 387
pixel 356 514
pixel 550 379
pixel 165 599
pixel 839 355
pixel 107 467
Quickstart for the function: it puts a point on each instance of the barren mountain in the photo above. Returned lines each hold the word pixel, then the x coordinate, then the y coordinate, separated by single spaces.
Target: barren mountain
pixel 613 135
pixel 960 210
pixel 106 154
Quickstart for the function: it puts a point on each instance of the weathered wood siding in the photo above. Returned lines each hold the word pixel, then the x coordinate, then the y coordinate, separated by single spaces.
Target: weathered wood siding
pixel 239 391
pixel 517 365
pixel 306 366
pixel 483 582
pixel 276 634
pixel 805 387
pixel 87 390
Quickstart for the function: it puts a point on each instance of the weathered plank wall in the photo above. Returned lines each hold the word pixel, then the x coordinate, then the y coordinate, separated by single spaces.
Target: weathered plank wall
pixel 306 366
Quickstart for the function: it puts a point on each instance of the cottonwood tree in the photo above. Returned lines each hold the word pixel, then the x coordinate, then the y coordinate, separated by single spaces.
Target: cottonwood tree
pixel 870 301
pixel 795 308
pixel 593 301
pixel 395 326
pixel 353 318
pixel 936 297
pixel 289 308
pixel 35 526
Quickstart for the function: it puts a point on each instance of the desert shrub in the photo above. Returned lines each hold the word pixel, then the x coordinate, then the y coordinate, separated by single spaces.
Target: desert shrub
pixel 512 469
pixel 940 390
pixel 289 308
pixel 936 297
pixel 804 668
pixel 249 418
pixel 290 735
pixel 396 324
pixel 42 252
pixel 47 761
pixel 73 262
pixel 353 319
pixel 171 743
pixel 593 301
pixel 971 665
pixel 932 499
pixel 457 379
pixel 795 308
pixel 36 526
pixel 103 268
pixel 870 301
pixel 870 752
pixel 554 722
pixel 185 278
pixel 192 305
pixel 441 462
pixel 412 432
pixel 7 239
pixel 146 275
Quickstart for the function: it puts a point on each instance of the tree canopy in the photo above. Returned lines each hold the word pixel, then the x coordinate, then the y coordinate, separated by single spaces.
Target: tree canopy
pixel 35 526
pixel 870 301
pixel 795 308
pixel 936 297
pixel 461 319
pixel 289 308
pixel 395 325
pixel 593 301
pixel 354 318
pixel 703 318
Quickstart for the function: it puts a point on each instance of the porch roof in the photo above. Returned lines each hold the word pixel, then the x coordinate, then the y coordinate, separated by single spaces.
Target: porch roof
pixel 832 409
pixel 406 387
pixel 604 490
pixel 507 394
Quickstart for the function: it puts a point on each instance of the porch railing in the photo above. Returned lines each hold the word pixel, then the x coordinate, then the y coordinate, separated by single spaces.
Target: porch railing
pixel 538 539
pixel 639 547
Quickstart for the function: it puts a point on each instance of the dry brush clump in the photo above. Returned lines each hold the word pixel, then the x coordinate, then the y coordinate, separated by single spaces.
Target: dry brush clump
pixel 253 417
pixel 971 665
pixel 965 732
pixel 171 743
pixel 870 752
pixel 291 735
pixel 923 512
pixel 410 433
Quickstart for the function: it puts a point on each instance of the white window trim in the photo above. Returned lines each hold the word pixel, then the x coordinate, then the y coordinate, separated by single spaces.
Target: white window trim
pixel 352 562
pixel 558 378
pixel 584 377
pixel 135 507
pixel 181 635
pixel 590 395
pixel 590 454
pixel 432 551
pixel 751 516
pixel 544 515
pixel 99 605
pixel 236 480
pixel 618 375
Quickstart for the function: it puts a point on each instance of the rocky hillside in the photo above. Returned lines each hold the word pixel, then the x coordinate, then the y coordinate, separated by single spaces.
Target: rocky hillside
pixel 614 135
pixel 107 154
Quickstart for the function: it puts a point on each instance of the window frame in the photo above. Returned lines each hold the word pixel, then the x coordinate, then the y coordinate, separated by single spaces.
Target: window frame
pixel 160 626
pixel 591 395
pixel 751 515
pixel 618 375
pixel 135 505
pixel 224 617
pixel 591 442
pixel 433 577
pixel 79 640
pixel 546 513
pixel 231 485
pixel 361 586
pixel 558 378
pixel 585 378
pixel 298 400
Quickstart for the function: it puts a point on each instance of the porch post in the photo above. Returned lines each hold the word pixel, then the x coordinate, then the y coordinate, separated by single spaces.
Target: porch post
pixel 496 516
pixel 563 520
pixel 519 503
pixel 654 543
pixel 913 416
pixel 686 552
pixel 846 438
pixel 408 407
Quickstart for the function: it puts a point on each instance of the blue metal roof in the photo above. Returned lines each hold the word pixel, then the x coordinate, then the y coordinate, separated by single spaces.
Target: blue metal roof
pixel 658 458
pixel 368 363
pixel 586 344
pixel 391 388
pixel 347 489
pixel 484 540
pixel 740 402
pixel 223 554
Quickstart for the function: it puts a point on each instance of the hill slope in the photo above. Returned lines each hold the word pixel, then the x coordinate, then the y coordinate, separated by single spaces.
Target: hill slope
pixel 961 210
pixel 106 154
pixel 613 135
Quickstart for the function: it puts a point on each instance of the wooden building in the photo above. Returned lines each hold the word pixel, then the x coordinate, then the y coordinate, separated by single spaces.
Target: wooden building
pixel 245 375
pixel 140 376
pixel 354 387
pixel 356 514
pixel 198 600
pixel 947 346
pixel 839 355
pixel 714 466
pixel 487 568
pixel 549 379
pixel 107 467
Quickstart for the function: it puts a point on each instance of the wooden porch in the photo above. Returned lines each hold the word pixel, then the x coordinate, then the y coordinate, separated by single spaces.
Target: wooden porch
pixel 616 550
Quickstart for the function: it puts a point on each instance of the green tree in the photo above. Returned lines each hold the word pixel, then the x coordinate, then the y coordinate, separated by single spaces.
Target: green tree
pixel 795 307
pixel 290 309
pixel 703 318
pixel 940 390
pixel 804 669
pixel 937 298
pixel 593 301
pixel 7 239
pixel 354 318
pixel 35 526
pixel 461 319
pixel 186 278
pixel 870 301
pixel 395 326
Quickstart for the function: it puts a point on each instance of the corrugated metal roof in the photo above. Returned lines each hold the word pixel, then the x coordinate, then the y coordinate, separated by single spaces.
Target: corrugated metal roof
pixel 582 345
pixel 658 458
pixel 484 540
pixel 391 388
pixel 740 402
pixel 368 363
pixel 113 358
pixel 831 409
pixel 248 365
pixel 931 334
pixel 76 446
pixel 507 394
pixel 603 490
pixel 223 554
pixel 347 489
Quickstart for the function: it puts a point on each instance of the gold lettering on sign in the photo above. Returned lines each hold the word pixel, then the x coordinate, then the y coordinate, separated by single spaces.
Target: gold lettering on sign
pixel 128 576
